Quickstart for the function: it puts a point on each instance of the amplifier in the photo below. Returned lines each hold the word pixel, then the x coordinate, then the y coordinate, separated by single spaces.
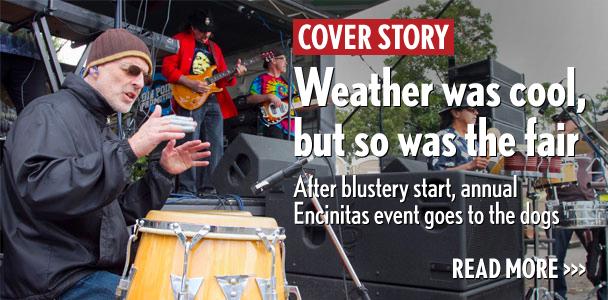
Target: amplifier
pixel 321 288
pixel 401 254
pixel 506 117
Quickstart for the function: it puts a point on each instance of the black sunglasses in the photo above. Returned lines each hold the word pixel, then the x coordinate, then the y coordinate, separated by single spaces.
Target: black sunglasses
pixel 135 70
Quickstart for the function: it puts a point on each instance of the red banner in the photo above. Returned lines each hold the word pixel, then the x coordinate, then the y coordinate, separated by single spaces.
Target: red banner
pixel 373 37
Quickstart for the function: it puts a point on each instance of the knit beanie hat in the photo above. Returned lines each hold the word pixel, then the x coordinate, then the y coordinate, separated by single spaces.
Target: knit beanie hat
pixel 115 44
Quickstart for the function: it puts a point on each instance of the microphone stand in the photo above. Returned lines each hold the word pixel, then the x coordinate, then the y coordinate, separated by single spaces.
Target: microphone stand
pixel 361 289
pixel 118 24
pixel 380 80
pixel 602 155
pixel 599 136
pixel 289 89
pixel 288 172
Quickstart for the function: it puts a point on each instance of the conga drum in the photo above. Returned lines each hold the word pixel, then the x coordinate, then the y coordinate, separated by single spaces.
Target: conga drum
pixel 242 213
pixel 199 255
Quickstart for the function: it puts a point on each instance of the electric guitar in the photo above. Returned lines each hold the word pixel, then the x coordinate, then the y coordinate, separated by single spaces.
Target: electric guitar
pixel 272 114
pixel 191 100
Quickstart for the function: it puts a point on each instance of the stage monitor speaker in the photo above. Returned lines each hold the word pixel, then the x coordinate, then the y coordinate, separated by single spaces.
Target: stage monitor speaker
pixel 233 132
pixel 243 118
pixel 250 158
pixel 321 288
pixel 401 254
pixel 241 103
pixel 401 164
pixel 482 70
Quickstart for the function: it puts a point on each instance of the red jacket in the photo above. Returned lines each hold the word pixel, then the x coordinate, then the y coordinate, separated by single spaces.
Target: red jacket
pixel 176 65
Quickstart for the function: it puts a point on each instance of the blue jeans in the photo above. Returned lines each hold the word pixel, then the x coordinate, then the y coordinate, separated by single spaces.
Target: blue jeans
pixel 562 241
pixel 100 285
pixel 210 128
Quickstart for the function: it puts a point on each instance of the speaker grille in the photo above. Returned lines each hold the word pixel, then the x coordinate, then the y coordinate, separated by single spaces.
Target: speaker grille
pixel 402 254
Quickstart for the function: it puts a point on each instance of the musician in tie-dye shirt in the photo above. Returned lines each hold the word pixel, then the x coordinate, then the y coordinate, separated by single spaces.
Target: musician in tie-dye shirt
pixel 272 87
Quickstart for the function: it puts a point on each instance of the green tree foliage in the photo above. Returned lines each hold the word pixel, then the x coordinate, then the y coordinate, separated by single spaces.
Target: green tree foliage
pixel 603 97
pixel 472 42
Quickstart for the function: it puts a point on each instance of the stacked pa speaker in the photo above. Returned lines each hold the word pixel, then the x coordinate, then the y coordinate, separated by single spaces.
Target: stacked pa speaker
pixel 402 261
pixel 251 158
pixel 246 120
pixel 505 117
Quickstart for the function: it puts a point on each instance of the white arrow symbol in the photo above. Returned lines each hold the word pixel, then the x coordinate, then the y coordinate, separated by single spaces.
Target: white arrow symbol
pixel 566 269
pixel 574 270
pixel 582 270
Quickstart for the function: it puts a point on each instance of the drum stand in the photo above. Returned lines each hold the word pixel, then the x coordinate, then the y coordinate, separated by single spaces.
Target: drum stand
pixel 334 239
pixel 538 292
pixel 604 283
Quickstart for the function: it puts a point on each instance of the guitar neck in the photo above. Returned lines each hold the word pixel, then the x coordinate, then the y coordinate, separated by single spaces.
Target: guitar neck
pixel 231 71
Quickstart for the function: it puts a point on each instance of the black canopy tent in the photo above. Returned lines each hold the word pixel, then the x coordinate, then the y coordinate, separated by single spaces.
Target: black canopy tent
pixel 244 27
pixel 242 24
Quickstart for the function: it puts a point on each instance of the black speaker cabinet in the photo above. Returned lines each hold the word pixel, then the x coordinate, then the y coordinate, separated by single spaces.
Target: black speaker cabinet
pixel 401 164
pixel 250 158
pixel 506 117
pixel 320 288
pixel 247 117
pixel 409 254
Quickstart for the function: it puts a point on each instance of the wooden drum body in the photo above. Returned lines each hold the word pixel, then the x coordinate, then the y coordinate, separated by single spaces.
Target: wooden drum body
pixel 207 256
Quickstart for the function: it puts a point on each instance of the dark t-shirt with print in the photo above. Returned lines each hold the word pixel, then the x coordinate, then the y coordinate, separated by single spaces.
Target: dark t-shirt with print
pixel 202 59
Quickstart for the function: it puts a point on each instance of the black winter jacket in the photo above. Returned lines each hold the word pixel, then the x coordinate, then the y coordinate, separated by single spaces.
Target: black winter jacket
pixel 66 198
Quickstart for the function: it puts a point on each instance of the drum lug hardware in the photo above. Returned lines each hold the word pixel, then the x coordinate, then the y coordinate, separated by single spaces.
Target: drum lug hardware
pixel 193 285
pixel 125 282
pixel 268 286
pixel 292 290
pixel 285 283
pixel 233 286
pixel 185 288
pixel 122 291
pixel 267 289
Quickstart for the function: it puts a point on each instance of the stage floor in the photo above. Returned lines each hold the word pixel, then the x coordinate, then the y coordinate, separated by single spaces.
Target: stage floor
pixel 578 287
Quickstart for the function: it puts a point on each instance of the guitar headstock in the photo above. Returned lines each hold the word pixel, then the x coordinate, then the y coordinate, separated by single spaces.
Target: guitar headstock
pixel 267 56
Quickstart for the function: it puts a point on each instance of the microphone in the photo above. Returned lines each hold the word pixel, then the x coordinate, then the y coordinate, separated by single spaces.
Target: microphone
pixel 276 177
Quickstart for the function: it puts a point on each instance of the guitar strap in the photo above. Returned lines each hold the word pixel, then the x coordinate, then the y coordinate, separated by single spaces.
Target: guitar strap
pixel 212 50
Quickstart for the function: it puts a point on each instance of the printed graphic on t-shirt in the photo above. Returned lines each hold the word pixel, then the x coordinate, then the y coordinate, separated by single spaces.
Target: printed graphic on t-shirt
pixel 202 59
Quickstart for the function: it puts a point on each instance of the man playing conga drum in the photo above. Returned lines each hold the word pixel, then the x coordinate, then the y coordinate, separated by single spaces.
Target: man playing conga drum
pixel 66 197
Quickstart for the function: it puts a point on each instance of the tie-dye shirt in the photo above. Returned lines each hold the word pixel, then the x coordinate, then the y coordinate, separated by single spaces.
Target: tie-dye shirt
pixel 460 158
pixel 267 84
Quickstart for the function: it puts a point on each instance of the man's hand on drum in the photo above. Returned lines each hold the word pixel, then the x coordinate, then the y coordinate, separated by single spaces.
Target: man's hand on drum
pixel 176 160
pixel 478 163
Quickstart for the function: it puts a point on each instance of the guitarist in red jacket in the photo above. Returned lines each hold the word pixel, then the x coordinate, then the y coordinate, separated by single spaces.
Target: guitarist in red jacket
pixel 197 52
